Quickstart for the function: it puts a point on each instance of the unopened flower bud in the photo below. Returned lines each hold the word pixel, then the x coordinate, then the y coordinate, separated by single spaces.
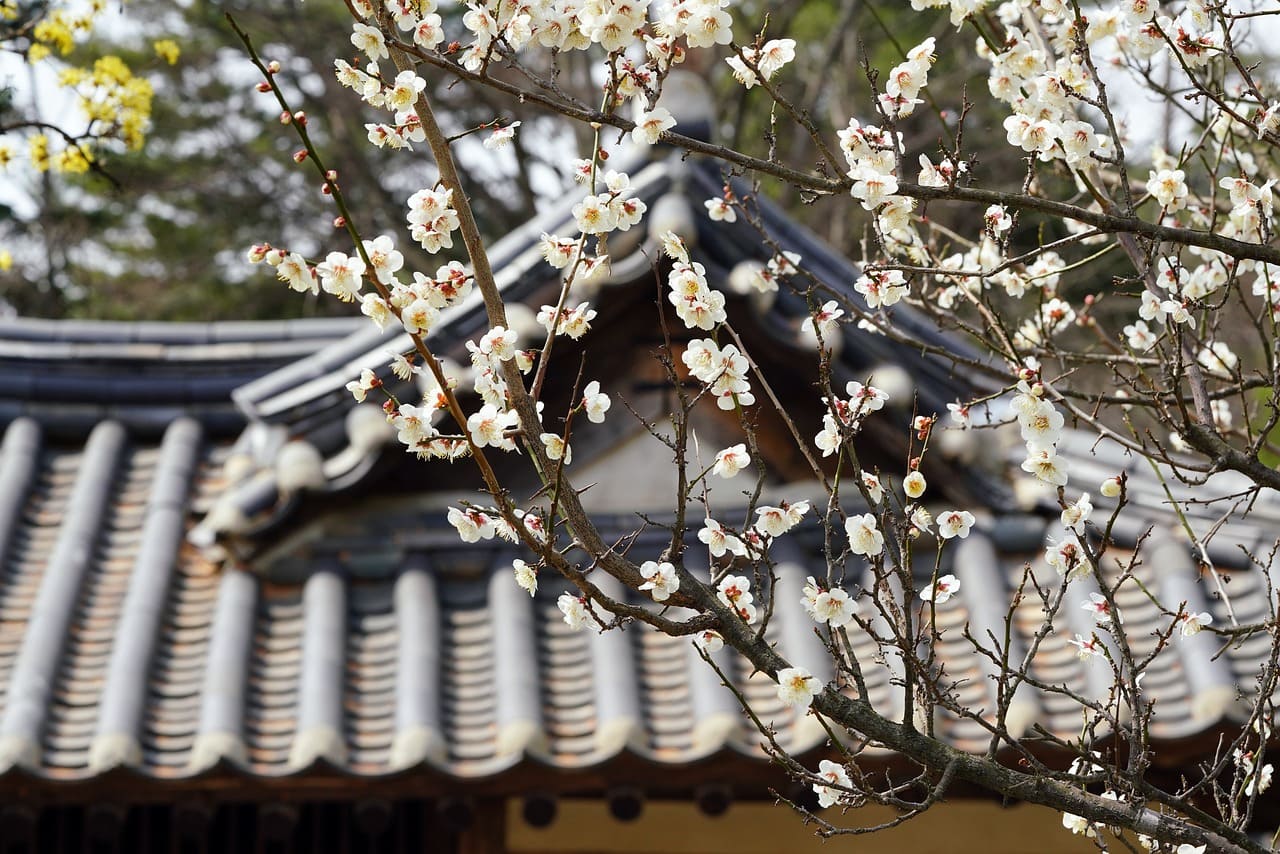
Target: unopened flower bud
pixel 273 67
pixel 914 484
pixel 1111 487
pixel 300 155
pixel 264 86
pixel 339 222
pixel 1026 374
pixel 300 117
pixel 331 175
pixel 258 251
pixel 285 118
pixel 274 257
pixel 326 189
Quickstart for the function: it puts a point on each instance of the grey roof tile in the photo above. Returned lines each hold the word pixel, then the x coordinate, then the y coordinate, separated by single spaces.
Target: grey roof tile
pixel 121 643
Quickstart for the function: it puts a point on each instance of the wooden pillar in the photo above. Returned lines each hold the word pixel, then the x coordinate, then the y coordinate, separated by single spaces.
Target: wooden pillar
pixel 488 833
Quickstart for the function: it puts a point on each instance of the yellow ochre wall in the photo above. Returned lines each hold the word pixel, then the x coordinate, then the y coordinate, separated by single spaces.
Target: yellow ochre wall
pixel 674 827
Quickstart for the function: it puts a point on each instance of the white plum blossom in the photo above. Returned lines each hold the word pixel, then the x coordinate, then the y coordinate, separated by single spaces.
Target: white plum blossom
pixel 914 485
pixel 359 388
pixel 824 320
pixel 719 210
pixel 369 40
pixel 499 343
pixel 488 427
pixel 874 489
pixel 1046 466
pixel 709 641
pixel 776 521
pixel 835 776
pixel 797 686
pixel 1078 825
pixel 720 541
pixel 383 258
pixel 1168 187
pixel 997 220
pixel 955 523
pixel 501 137
pixel 1087 648
pixel 650 124
pixel 1191 624
pixel 774 54
pixel 731 460
pixel 1099 608
pixel 1139 337
pixel 595 403
pixel 835 607
pixel 340 275
pixel 556 447
pixel 864 535
pixel 472 525
pixel 293 270
pixel 574 609
pixel 920 520
pixel 941 590
pixel 1075 515
pixel 660 579
pixel 526 576
pixel 734 591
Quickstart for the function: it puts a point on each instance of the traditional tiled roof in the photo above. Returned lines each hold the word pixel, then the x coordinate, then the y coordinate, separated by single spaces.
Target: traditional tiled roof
pixel 369 644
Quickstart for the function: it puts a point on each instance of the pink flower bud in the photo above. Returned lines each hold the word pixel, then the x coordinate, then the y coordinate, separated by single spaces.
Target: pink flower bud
pixel 300 155
pixel 273 67
pixel 300 117
pixel 339 222
pixel 285 118
pixel 263 87
pixel 258 251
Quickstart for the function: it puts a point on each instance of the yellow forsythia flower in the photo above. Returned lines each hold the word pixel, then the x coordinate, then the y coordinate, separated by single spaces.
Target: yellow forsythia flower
pixel 38 149
pixel 73 160
pixel 53 32
pixel 167 49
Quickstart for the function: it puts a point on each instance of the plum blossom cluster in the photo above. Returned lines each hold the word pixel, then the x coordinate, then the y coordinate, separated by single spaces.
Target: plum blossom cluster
pixel 844 417
pixel 906 79
pixel 474 524
pixel 754 66
pixel 432 219
pixel 1041 424
pixel 571 321
pixel 734 592
pixel 417 304
pixel 696 304
pixel 765 278
pixel 983 266
pixel 564 253
pixel 834 606
pixel 612 210
pixel 722 369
